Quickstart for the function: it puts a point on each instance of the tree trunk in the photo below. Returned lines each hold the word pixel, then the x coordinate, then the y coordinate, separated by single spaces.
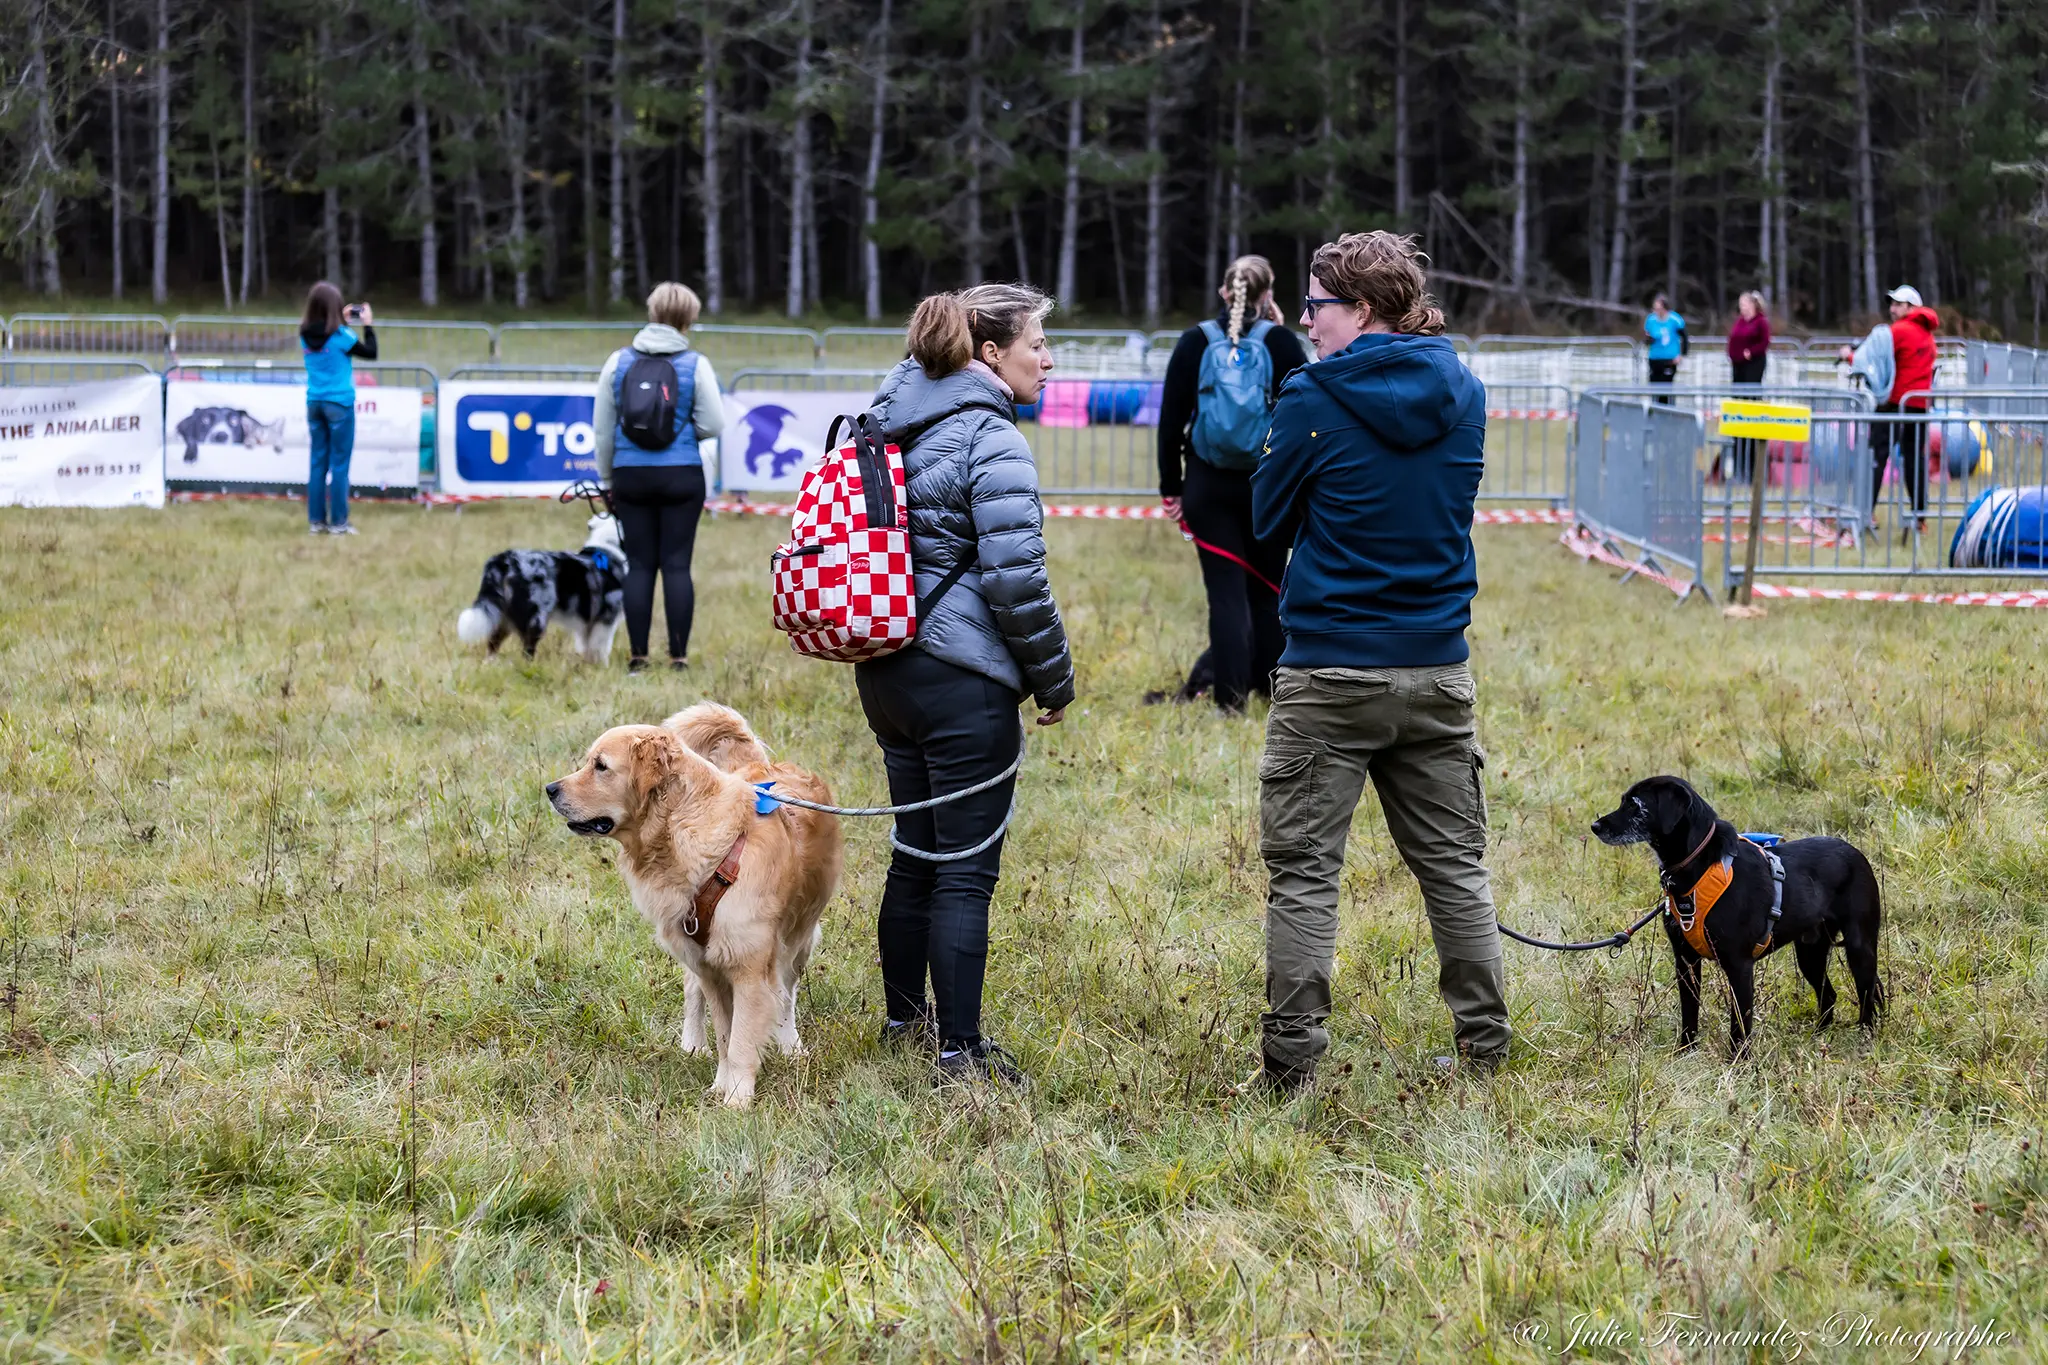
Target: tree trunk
pixel 330 195
pixel 974 250
pixel 358 272
pixel 799 164
pixel 1017 231
pixel 714 247
pixel 870 207
pixel 587 193
pixel 220 230
pixel 248 146
pixel 423 153
pixel 550 238
pixel 1866 189
pixel 1070 208
pixel 515 154
pixel 1676 233
pixel 160 246
pixel 636 215
pixel 43 159
pixel 1404 193
pixel 1155 176
pixel 1617 248
pixel 1244 38
pixel 116 169
pixel 1214 240
pixel 1768 204
pixel 615 279
pixel 750 273
pixel 1930 264
pixel 1518 245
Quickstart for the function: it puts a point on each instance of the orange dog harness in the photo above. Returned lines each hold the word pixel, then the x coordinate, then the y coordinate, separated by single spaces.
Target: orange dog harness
pixel 1689 911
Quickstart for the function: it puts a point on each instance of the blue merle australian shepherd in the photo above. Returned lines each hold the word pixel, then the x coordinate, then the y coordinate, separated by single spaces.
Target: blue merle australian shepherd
pixel 522 590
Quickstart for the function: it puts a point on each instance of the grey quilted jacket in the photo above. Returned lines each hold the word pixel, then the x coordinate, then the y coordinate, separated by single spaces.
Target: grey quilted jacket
pixel 973 491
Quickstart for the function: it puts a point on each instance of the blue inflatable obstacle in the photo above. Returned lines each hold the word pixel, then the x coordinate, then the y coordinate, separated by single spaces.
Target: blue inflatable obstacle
pixel 1962 446
pixel 2005 528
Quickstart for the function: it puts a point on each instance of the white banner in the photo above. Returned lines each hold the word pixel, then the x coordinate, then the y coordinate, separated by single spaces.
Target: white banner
pixel 237 432
pixel 773 437
pixel 83 445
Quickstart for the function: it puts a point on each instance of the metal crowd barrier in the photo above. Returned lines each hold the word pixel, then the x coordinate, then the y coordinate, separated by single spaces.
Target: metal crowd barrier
pixel 1637 486
pixel 58 369
pixel 1576 363
pixel 1844 505
pixel 1528 443
pixel 134 335
pixel 1997 364
pixel 275 340
pixel 592 343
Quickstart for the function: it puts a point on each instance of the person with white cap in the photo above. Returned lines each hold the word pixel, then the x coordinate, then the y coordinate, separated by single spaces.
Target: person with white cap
pixel 1895 360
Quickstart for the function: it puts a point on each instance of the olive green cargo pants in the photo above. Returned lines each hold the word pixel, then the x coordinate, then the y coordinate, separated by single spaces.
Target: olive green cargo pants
pixel 1410 730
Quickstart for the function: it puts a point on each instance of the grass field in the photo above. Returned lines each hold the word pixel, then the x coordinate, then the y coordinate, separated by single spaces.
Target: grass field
pixel 325 1041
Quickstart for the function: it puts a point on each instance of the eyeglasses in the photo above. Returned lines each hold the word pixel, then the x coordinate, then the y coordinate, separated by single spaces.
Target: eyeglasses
pixel 1310 303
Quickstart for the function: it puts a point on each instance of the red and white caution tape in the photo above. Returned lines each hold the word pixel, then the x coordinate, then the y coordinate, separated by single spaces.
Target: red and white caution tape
pixel 1586 547
pixel 1942 599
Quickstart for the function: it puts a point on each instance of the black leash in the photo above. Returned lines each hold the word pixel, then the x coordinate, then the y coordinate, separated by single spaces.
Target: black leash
pixel 1615 941
pixel 591 491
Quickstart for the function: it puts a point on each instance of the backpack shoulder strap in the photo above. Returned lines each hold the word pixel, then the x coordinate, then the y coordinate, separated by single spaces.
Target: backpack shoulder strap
pixel 1257 335
pixel 1212 331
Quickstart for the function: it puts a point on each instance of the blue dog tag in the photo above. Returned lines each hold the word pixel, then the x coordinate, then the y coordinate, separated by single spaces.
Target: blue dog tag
pixel 602 560
pixel 764 804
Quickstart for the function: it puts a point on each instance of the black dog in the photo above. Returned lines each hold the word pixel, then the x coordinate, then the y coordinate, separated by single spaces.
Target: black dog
pixel 1722 894
pixel 522 589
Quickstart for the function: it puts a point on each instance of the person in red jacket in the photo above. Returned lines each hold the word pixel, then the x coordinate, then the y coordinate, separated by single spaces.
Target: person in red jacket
pixel 1902 352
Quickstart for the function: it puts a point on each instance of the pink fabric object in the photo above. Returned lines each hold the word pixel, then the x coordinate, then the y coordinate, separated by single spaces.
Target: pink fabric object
pixel 1064 403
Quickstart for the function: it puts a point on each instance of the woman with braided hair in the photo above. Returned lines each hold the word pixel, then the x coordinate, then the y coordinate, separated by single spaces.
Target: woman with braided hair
pixel 1220 387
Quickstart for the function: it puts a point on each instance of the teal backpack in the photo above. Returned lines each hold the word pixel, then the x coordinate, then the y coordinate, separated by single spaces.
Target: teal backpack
pixel 1234 409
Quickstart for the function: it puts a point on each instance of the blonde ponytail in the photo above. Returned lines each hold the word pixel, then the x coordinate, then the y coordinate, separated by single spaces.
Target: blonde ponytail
pixel 1236 308
pixel 940 339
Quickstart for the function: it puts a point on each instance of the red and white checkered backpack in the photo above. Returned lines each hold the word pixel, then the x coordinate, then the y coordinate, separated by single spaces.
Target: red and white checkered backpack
pixel 844 586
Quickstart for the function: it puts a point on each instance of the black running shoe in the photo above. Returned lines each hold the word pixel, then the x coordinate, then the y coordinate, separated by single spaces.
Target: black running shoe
pixel 636 665
pixel 981 1063
pixel 919 1033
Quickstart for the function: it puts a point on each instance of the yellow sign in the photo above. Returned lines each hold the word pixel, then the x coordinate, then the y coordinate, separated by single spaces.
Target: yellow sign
pixel 1766 421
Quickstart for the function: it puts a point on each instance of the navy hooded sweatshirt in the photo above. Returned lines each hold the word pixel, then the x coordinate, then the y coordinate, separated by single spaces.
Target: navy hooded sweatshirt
pixel 1369 472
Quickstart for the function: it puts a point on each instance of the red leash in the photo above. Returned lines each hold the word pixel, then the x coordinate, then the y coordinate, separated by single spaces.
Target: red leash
pixel 1219 551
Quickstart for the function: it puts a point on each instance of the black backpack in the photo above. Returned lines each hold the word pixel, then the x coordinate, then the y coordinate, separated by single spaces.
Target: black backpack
pixel 648 399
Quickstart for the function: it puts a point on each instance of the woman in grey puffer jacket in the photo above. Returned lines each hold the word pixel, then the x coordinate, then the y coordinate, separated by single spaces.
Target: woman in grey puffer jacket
pixel 945 710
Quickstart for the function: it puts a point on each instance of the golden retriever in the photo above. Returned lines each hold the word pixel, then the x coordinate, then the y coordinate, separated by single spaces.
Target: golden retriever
pixel 679 799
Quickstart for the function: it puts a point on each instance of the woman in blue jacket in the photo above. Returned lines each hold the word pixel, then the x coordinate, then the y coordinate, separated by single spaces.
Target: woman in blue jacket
pixel 658 490
pixel 1370 472
pixel 331 347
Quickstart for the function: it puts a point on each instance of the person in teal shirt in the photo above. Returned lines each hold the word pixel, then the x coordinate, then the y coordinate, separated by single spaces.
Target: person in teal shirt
pixel 331 350
pixel 1668 342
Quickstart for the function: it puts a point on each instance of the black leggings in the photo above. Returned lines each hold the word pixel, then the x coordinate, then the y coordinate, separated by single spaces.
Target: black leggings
pixel 658 507
pixel 1245 639
pixel 1910 439
pixel 941 728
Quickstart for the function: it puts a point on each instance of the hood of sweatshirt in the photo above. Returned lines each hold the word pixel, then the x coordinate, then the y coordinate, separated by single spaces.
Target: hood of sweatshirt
pixel 658 338
pixel 1924 318
pixel 1407 390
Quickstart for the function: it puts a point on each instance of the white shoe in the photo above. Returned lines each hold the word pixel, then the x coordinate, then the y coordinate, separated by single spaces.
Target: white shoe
pixel 318 528
pixel 345 529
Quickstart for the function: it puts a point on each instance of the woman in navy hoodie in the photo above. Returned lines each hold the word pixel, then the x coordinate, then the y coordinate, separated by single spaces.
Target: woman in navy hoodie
pixel 1370 472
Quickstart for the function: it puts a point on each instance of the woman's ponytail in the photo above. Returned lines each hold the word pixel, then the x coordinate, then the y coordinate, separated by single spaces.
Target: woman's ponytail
pixel 1423 319
pixel 940 339
pixel 1237 301
pixel 1247 280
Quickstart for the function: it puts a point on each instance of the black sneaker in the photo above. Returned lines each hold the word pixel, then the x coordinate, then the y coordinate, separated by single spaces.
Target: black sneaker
pixel 1279 1079
pixel 919 1033
pixel 679 665
pixel 981 1063
pixel 636 665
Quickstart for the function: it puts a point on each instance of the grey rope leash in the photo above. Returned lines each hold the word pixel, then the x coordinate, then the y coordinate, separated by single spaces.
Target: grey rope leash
pixel 895 837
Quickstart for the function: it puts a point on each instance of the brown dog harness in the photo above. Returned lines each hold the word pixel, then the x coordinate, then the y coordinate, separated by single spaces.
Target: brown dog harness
pixel 1689 910
pixel 698 925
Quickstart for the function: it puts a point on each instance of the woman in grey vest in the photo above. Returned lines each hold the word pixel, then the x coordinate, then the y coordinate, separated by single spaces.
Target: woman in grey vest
pixel 944 711
pixel 658 495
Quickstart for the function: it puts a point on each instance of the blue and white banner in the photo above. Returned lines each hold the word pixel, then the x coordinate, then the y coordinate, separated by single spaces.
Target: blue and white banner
pixel 520 438
pixel 83 445
pixel 773 437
